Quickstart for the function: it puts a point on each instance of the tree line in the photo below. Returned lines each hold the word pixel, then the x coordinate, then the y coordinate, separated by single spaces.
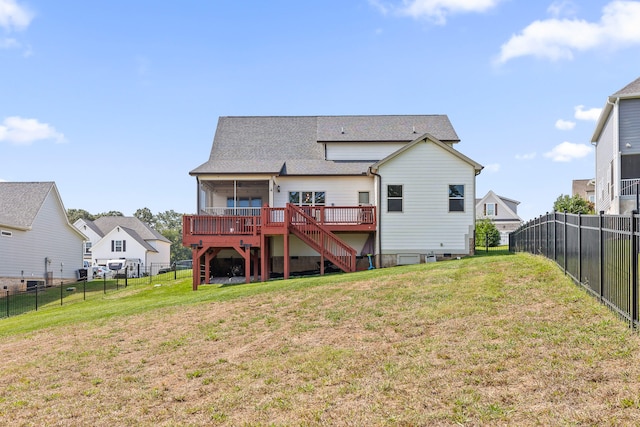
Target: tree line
pixel 167 223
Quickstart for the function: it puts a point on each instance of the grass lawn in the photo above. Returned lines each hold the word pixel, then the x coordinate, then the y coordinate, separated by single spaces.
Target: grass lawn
pixel 489 340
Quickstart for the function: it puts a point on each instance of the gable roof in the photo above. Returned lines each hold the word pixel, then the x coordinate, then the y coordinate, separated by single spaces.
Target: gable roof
pixel 632 90
pixel 502 201
pixel 89 224
pixel 135 236
pixel 292 145
pixel 426 137
pixel 107 223
pixel 20 202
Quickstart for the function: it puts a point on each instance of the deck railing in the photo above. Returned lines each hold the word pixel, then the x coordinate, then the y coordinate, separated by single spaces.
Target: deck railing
pixel 322 240
pixel 210 225
pixel 231 211
pixel 629 187
pixel 233 221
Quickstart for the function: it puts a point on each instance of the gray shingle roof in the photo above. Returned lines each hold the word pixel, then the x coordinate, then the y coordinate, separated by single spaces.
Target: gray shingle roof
pixel 20 202
pixel 632 89
pixel 292 145
pixel 385 128
pixel 107 223
pixel 139 239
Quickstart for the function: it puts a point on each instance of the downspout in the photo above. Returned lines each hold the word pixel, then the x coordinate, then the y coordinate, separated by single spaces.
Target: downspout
pixel 198 191
pixel 379 231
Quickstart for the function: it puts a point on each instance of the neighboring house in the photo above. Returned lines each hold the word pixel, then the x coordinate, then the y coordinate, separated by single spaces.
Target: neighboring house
pixel 38 245
pixel 617 141
pixel 292 194
pixel 585 188
pixel 503 212
pixel 114 237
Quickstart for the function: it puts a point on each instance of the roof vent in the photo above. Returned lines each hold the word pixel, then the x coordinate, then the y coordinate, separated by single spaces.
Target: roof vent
pixel 414 129
pixel 342 129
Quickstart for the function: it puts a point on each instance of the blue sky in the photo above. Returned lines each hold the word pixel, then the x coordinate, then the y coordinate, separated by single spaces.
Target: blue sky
pixel 116 101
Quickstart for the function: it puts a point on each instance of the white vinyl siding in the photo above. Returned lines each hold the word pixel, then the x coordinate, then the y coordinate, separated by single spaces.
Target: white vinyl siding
pixel 606 150
pixel 298 248
pixel 101 251
pixel 361 151
pixel 426 171
pixel 338 190
pixel 629 126
pixel 51 236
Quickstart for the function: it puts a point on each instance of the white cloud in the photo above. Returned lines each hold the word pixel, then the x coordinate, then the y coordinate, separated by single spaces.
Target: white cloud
pixel 556 39
pixel 592 114
pixel 21 131
pixel 565 124
pixel 9 43
pixel 568 151
pixel 436 10
pixel 14 17
pixel 527 156
pixel 378 4
pixel 492 168
pixel 562 8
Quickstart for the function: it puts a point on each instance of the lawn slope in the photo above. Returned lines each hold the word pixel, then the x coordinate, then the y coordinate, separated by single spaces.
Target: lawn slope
pixel 496 340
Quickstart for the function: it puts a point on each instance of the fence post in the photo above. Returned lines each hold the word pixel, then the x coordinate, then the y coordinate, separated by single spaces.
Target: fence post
pixel 634 270
pixel 539 236
pixel 580 248
pixel 7 302
pixel 564 243
pixel 601 252
pixel 555 239
pixel 37 296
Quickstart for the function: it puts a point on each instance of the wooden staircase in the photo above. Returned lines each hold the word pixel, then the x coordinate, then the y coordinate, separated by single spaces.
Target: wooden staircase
pixel 322 240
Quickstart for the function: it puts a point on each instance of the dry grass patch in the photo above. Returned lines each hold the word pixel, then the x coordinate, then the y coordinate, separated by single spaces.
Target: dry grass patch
pixel 491 341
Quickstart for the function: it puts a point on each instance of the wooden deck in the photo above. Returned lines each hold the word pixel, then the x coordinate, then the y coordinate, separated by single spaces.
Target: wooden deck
pixel 249 234
pixel 272 221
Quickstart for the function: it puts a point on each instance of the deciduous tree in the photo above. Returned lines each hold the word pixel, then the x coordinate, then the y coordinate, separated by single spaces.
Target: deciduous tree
pixel 573 204
pixel 487 233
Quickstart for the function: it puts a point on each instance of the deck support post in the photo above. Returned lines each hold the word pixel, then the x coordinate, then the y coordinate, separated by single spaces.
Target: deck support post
pixel 286 255
pixel 256 265
pixel 264 258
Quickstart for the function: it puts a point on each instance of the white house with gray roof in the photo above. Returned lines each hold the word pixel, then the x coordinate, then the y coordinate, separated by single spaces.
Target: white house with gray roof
pixel 392 187
pixel 617 142
pixel 502 211
pixel 114 237
pixel 38 245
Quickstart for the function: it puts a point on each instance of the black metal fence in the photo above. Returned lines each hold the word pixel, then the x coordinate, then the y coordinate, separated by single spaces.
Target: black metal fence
pixel 35 297
pixel 599 252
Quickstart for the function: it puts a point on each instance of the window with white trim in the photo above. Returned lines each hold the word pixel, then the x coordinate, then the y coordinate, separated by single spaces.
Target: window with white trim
pixel 118 246
pixel 307 198
pixel 490 209
pixel 456 198
pixel 363 198
pixel 394 198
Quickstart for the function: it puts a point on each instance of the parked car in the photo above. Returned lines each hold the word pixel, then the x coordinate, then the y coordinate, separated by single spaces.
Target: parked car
pixel 102 272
